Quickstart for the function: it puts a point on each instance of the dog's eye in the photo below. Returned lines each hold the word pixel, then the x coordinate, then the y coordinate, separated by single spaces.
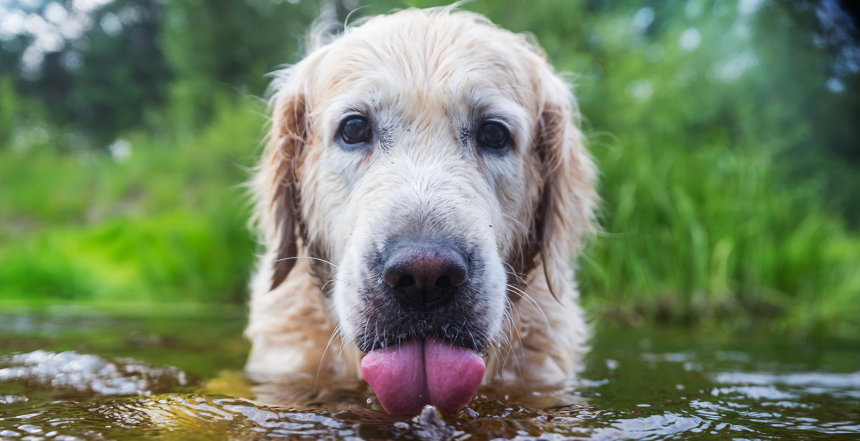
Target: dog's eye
pixel 355 130
pixel 493 135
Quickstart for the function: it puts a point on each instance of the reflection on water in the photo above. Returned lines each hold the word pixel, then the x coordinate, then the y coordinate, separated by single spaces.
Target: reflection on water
pixel 636 385
pixel 89 374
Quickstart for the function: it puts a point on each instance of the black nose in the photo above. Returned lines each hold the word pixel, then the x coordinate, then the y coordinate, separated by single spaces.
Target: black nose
pixel 423 274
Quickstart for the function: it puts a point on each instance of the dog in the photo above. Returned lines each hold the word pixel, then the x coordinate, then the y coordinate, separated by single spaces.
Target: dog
pixel 421 199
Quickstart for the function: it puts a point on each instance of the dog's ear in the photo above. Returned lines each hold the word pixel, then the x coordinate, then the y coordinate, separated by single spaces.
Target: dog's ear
pixel 567 200
pixel 277 185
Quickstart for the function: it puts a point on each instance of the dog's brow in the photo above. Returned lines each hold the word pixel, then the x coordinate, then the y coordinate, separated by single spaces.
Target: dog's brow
pixel 496 117
pixel 354 110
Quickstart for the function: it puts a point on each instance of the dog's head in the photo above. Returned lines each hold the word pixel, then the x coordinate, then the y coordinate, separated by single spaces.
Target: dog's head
pixel 431 158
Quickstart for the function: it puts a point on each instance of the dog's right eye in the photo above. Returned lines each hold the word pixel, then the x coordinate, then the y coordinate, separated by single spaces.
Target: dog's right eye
pixel 356 130
pixel 493 135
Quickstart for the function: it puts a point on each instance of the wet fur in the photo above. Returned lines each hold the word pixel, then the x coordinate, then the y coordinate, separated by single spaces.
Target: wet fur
pixel 325 214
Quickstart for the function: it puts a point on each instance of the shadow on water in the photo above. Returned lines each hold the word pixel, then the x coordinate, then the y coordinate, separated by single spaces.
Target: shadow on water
pixel 102 377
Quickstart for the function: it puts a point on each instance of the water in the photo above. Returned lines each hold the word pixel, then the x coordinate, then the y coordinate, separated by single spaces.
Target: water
pixel 102 377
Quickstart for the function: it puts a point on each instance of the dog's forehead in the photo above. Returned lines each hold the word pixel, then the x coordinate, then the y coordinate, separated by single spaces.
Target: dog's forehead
pixel 428 65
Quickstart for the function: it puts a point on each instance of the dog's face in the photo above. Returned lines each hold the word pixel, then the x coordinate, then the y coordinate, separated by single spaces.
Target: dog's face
pixel 431 160
pixel 425 183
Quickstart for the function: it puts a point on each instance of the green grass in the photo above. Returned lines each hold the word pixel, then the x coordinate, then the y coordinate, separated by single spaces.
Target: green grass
pixel 167 224
pixel 711 236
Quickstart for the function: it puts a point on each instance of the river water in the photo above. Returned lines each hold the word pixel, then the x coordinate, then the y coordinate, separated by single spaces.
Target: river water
pixel 85 376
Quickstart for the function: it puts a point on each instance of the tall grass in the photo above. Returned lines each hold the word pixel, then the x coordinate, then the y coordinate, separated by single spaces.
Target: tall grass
pixel 711 236
pixel 167 223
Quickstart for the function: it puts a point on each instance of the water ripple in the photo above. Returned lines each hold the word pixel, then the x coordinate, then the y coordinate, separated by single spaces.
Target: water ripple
pixel 89 373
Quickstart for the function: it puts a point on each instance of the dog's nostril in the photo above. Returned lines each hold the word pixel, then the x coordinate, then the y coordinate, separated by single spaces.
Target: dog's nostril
pixel 406 281
pixel 456 277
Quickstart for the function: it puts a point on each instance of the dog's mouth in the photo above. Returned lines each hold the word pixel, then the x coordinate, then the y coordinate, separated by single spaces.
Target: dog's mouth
pixel 412 374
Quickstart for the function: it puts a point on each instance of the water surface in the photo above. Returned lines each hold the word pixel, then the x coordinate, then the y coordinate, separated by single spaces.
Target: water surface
pixel 105 377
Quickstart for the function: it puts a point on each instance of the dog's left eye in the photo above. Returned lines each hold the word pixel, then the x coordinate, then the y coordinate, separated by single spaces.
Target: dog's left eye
pixel 493 135
pixel 356 130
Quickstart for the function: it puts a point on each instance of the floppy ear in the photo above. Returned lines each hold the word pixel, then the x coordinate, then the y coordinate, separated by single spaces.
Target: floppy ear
pixel 567 200
pixel 276 183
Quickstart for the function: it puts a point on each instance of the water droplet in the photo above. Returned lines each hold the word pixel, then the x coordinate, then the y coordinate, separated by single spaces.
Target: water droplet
pixel 369 401
pixel 483 353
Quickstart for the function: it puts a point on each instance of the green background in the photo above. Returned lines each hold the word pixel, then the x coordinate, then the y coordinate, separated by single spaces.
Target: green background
pixel 725 133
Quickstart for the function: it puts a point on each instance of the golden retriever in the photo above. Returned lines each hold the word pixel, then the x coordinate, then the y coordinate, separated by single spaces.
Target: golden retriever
pixel 423 195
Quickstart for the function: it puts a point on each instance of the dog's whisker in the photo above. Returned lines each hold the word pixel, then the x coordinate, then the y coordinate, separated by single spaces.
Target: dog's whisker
pixel 375 332
pixel 330 280
pixel 506 351
pixel 516 333
pixel 523 353
pixel 535 306
pixel 522 225
pixel 504 337
pixel 532 302
pixel 519 291
pixel 307 257
pixel 515 274
pixel 344 341
pixel 334 333
pixel 322 288
pixel 366 324
pixel 520 367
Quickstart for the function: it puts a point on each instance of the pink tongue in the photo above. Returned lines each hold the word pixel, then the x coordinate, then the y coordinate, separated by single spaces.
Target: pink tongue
pixel 407 377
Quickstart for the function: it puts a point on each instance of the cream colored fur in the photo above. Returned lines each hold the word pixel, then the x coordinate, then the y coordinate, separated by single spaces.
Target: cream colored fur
pixel 423 72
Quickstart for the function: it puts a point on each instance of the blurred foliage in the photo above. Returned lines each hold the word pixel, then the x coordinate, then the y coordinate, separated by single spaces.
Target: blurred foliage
pixel 225 46
pixel 725 134
pixel 98 84
pixel 166 223
pixel 17 112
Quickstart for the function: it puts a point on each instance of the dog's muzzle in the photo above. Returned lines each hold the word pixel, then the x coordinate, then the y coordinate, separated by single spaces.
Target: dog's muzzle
pixel 424 334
